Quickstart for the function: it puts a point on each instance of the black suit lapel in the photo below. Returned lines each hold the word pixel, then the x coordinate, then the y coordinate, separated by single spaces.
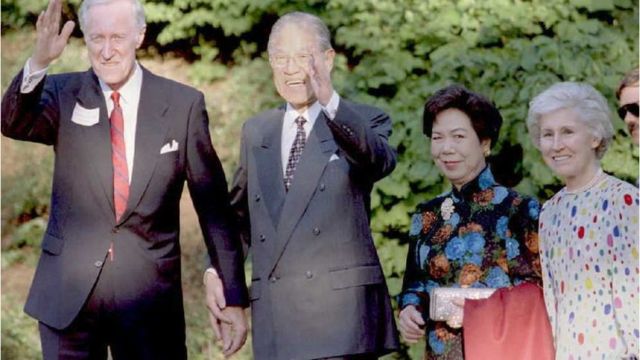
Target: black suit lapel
pixel 150 134
pixel 269 164
pixel 318 149
pixel 98 137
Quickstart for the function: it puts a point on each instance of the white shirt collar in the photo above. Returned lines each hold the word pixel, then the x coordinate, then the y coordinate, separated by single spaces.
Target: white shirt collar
pixel 129 90
pixel 310 114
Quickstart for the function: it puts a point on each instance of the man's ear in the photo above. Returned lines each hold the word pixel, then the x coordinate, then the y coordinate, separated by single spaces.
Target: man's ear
pixel 140 38
pixel 329 55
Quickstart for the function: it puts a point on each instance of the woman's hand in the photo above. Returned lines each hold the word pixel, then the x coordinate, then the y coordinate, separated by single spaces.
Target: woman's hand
pixel 411 324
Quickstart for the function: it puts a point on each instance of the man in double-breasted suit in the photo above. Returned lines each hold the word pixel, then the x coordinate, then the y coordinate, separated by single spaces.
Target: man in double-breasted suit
pixel 302 192
pixel 125 142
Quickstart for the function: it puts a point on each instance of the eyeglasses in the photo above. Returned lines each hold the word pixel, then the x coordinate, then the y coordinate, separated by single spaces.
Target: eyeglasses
pixel 281 60
pixel 631 107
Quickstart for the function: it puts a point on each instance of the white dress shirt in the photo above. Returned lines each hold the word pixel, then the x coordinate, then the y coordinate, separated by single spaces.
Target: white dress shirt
pixel 289 127
pixel 129 101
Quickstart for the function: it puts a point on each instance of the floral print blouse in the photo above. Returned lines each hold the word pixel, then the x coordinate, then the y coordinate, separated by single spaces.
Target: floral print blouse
pixel 589 254
pixel 484 235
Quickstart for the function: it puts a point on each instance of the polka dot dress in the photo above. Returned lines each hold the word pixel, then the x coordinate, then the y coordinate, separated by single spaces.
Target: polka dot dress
pixel 589 254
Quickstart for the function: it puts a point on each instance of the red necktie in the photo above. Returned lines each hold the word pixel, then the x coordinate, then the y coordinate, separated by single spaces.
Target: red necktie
pixel 119 158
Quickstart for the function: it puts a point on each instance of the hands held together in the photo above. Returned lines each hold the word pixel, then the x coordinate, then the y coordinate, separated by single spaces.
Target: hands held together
pixel 228 322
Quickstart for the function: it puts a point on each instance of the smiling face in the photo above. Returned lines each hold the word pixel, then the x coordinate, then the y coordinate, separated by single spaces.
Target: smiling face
pixel 456 148
pixel 568 147
pixel 112 38
pixel 629 95
pixel 295 49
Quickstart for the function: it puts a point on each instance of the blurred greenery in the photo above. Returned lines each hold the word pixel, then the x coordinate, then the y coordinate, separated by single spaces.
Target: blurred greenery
pixel 393 54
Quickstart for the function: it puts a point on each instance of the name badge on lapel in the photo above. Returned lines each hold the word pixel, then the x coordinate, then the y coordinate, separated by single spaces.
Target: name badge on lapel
pixel 85 117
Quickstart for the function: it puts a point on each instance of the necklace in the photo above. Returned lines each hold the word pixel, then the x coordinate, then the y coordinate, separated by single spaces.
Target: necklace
pixel 594 180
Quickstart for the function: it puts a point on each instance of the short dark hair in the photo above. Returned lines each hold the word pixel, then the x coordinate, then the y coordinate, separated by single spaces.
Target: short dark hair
pixel 485 117
pixel 630 79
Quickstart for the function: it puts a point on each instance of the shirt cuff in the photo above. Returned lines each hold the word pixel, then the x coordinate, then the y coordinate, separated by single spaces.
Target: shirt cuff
pixel 332 107
pixel 31 80
pixel 209 271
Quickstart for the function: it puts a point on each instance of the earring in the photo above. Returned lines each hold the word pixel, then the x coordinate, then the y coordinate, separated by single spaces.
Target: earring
pixel 487 153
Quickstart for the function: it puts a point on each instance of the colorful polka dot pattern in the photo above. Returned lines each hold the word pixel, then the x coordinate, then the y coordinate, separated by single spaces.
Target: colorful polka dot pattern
pixel 589 254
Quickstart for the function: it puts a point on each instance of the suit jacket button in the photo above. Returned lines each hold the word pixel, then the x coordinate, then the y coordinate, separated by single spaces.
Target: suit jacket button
pixel 262 238
pixel 257 198
pixel 316 231
pixel 308 274
pixel 115 230
pixel 273 279
pixel 322 187
pixel 98 263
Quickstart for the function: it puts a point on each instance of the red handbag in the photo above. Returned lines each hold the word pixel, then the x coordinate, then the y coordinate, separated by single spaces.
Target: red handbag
pixel 511 324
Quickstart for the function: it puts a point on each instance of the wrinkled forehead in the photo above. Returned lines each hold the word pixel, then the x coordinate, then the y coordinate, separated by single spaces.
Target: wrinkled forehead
pixel 115 16
pixel 295 38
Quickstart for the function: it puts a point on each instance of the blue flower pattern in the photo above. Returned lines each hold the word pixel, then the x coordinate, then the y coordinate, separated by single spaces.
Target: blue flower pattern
pixel 454 220
pixel 455 248
pixel 489 237
pixel 435 344
pixel 416 225
pixel 499 193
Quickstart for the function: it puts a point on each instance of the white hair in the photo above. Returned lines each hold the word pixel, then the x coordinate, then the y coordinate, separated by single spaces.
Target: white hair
pixel 86 4
pixel 589 105
pixel 303 20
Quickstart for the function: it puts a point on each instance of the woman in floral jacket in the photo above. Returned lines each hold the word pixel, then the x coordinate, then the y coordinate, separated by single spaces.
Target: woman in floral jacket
pixel 480 234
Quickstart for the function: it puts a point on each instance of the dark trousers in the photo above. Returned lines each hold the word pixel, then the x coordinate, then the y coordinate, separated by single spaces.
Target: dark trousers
pixel 103 324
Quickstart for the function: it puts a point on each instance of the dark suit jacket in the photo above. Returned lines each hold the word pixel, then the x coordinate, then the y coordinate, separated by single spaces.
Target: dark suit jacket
pixel 317 289
pixel 82 222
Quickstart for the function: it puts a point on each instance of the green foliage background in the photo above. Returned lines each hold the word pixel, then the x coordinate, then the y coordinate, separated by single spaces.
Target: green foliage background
pixel 393 54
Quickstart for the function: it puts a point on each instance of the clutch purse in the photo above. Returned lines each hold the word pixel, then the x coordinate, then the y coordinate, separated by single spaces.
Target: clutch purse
pixel 442 308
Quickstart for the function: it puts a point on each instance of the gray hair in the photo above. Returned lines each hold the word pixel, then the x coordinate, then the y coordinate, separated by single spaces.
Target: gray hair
pixel 589 105
pixel 86 4
pixel 305 20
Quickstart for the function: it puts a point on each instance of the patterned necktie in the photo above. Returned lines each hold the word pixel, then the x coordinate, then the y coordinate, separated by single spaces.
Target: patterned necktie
pixel 119 158
pixel 296 151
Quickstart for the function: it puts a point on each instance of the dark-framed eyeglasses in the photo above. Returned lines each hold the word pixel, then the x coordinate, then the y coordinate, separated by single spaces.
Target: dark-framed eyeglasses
pixel 631 107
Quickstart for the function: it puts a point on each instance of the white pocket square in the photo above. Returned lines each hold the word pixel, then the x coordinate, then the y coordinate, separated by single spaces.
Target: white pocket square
pixel 334 157
pixel 169 147
pixel 85 117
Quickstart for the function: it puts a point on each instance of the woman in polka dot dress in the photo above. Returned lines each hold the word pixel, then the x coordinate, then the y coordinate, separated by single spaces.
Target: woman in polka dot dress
pixel 588 230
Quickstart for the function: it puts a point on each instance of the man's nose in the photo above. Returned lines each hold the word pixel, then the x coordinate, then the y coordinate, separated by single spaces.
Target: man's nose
pixel 292 66
pixel 630 119
pixel 107 50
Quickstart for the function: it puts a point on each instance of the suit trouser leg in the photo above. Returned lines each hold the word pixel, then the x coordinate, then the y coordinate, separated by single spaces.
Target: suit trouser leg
pixel 88 335
pixel 136 329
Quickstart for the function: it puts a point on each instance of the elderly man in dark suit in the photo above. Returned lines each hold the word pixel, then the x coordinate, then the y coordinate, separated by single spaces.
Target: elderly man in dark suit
pixel 125 142
pixel 302 191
